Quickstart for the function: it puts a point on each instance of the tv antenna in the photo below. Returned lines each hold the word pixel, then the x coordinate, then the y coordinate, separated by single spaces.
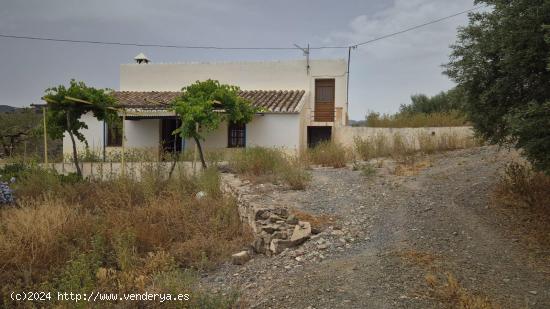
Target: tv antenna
pixel 306 53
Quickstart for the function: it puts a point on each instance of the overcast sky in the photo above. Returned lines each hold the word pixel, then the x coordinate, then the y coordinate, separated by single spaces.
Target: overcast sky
pixel 383 74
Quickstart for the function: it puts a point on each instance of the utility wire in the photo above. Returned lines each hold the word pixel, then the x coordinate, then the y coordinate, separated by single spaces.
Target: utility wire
pixel 21 37
pixel 418 26
pixel 140 44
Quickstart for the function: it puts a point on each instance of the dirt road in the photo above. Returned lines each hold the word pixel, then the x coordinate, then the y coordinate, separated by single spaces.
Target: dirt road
pixel 390 233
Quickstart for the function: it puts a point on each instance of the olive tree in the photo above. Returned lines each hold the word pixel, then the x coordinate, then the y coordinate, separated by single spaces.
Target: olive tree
pixel 500 61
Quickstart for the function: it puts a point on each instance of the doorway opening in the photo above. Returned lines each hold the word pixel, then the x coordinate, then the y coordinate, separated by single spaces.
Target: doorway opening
pixel 316 135
pixel 170 142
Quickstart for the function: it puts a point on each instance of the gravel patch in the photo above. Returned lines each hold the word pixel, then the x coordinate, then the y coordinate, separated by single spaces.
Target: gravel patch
pixel 363 260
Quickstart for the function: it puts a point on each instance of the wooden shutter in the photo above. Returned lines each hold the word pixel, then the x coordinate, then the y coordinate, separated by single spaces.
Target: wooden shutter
pixel 324 100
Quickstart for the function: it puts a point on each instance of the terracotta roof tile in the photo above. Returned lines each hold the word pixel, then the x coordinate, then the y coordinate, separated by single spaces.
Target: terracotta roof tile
pixel 275 101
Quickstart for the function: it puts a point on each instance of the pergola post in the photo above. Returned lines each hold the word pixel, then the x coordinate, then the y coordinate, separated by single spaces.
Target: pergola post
pixel 196 151
pixel 45 136
pixel 123 163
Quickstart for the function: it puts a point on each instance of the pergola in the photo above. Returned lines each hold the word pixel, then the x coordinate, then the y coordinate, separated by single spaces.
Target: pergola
pixel 149 112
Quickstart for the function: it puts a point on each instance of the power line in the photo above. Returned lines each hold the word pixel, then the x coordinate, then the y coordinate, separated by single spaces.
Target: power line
pixel 37 38
pixel 419 26
pixel 139 44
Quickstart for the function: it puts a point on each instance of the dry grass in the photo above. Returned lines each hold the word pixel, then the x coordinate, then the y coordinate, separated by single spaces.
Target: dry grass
pixel 397 146
pixel 451 292
pixel 448 289
pixel 443 119
pixel 318 222
pixel 521 186
pixel 267 164
pixel 423 259
pixel 372 147
pixel 524 194
pixel 328 154
pixel 410 166
pixel 118 235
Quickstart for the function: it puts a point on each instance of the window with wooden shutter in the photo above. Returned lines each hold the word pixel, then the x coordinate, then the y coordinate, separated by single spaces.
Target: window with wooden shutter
pixel 324 100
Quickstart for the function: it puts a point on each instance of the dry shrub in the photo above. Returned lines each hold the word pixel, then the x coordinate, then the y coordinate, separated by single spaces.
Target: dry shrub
pixel 294 174
pixel 267 164
pixel 521 186
pixel 198 233
pixel 410 166
pixel 401 147
pixel 416 120
pixel 141 230
pixel 423 259
pixel 428 143
pixel 256 161
pixel 397 146
pixel 328 154
pixel 318 222
pixel 452 293
pixel 524 194
pixel 372 147
pixel 366 169
pixel 39 235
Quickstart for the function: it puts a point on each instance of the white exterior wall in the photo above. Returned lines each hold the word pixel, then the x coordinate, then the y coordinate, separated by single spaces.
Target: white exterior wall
pixel 93 135
pixel 259 75
pixel 142 133
pixel 274 130
pixel 269 130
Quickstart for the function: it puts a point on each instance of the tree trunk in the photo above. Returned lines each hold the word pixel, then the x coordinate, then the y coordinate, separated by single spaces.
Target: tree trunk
pixel 200 152
pixel 174 161
pixel 75 154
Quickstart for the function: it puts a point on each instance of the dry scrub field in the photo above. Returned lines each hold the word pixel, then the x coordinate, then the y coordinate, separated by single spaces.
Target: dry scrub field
pixel 395 227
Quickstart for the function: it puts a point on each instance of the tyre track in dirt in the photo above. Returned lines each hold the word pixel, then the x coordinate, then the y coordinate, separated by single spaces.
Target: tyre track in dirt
pixel 440 213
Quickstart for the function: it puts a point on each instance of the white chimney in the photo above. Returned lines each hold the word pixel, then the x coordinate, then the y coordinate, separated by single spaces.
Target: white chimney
pixel 141 58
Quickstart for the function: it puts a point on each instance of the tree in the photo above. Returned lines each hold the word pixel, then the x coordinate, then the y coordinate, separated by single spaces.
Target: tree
pixel 17 127
pixel 500 60
pixel 446 101
pixel 206 104
pixel 67 104
pixel 530 129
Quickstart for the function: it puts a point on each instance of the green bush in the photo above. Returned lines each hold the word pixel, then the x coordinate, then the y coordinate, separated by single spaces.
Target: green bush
pixel 12 170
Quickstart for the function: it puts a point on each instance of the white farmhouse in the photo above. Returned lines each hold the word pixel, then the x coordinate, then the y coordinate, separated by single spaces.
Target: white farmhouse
pixel 303 103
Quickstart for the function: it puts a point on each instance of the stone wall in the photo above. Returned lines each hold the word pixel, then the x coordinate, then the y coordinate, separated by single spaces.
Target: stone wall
pixel 274 228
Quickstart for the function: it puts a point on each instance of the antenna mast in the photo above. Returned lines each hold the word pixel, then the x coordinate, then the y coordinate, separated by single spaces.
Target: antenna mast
pixel 306 53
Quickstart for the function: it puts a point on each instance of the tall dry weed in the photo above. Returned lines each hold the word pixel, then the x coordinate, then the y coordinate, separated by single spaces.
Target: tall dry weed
pixel 51 240
pixel 328 154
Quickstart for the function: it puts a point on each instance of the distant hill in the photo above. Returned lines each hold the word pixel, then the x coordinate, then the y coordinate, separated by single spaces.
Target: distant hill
pixel 7 109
